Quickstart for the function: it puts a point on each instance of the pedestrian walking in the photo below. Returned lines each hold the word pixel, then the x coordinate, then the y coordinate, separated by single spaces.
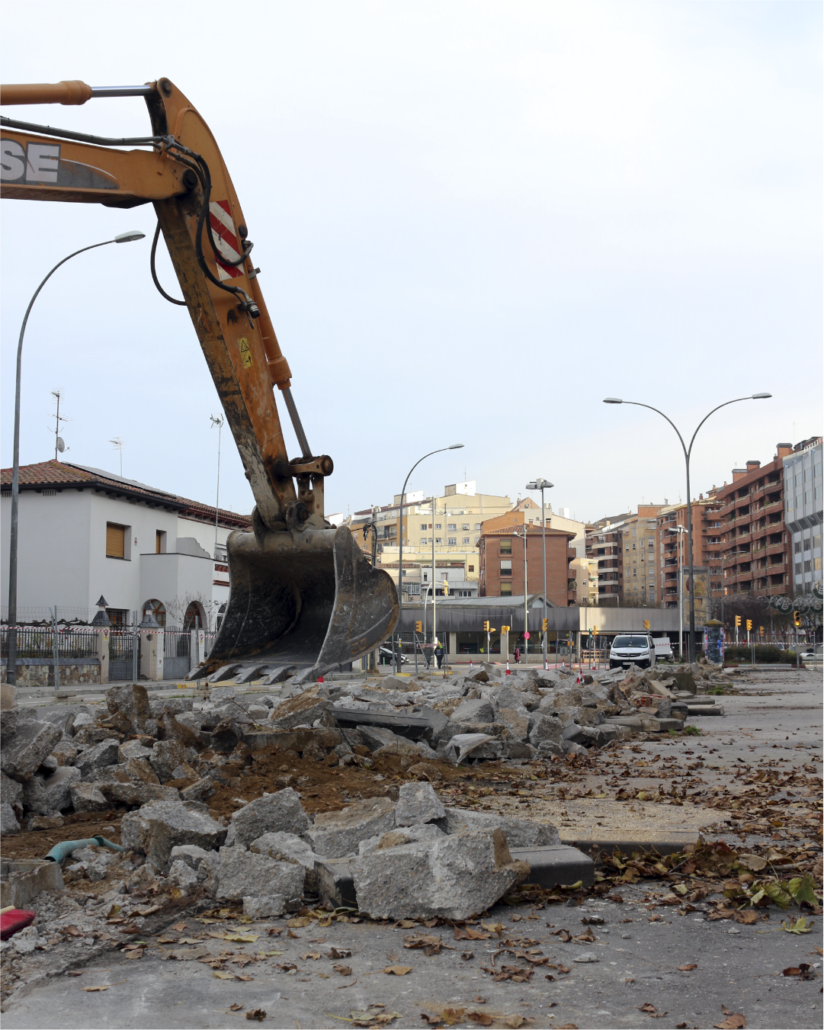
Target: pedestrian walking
pixel 439 654
pixel 517 655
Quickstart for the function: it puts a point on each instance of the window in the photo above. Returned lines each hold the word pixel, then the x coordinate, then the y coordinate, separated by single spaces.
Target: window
pixel 471 568
pixel 452 527
pixel 506 568
pixel 438 525
pixel 465 526
pixel 438 539
pixel 506 590
pixel 465 540
pixel 635 572
pixel 798 568
pixel 808 566
pixel 477 525
pixel 424 526
pixel 817 564
pixel 452 541
pixel 424 540
pixel 115 540
pixel 506 547
pixel 160 542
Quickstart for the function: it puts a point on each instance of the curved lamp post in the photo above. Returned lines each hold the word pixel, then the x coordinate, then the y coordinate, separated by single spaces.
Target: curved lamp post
pixel 125 237
pixel 542 484
pixel 451 447
pixel 687 454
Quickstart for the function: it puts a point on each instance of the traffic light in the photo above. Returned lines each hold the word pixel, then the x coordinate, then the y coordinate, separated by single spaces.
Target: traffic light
pixel 419 626
pixel 749 625
pixel 505 629
pixel 486 625
pixel 797 618
pixel 646 623
pixel 761 630
pixel 737 620
pixel 544 624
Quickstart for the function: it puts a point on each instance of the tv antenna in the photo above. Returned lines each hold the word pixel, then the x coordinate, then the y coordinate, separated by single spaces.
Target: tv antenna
pixel 59 445
pixel 118 446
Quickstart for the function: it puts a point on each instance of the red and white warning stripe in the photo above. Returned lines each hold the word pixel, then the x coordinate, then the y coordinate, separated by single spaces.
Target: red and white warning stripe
pixel 223 229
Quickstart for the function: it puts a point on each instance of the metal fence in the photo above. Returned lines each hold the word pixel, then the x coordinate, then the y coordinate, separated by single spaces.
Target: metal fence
pixel 40 641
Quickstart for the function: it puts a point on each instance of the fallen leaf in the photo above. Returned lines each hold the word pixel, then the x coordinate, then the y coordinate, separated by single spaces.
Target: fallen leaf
pixel 802 970
pixel 222 974
pixel 748 917
pixel 481 1018
pixel 430 943
pixel 467 955
pixel 343 970
pixel 799 926
pixel 468 933
pixel 73 931
pixel 75 972
pixel 686 969
pixel 734 1021
pixel 497 928
pixel 236 1007
pixel 314 955
pixel 258 1014
pixel 752 862
pixel 104 987
pixel 651 1010
pixel 398 970
pixel 180 927
pixel 338 953
pixel 298 921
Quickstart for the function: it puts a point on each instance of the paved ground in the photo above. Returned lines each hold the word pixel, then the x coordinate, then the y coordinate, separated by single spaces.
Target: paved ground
pixel 773 726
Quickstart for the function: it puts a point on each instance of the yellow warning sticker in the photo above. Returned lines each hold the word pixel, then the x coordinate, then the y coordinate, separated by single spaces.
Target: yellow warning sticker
pixel 245 353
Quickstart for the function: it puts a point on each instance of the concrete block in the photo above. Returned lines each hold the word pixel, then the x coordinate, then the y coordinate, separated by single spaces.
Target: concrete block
pixel 415 727
pixel 86 797
pixel 166 756
pixel 131 700
pixel 158 827
pixel 477 710
pixel 299 711
pixel 335 834
pixel 418 803
pixel 543 727
pixel 97 757
pixel 58 787
pixel 26 746
pixel 287 847
pixel 280 812
pixel 182 875
pixel 335 883
pixel 401 835
pixel 520 833
pixel 200 790
pixel 8 820
pixel 451 878
pixel 11 792
pixel 375 737
pixel 23 879
pixel 35 798
pixel 243 874
pixel 556 865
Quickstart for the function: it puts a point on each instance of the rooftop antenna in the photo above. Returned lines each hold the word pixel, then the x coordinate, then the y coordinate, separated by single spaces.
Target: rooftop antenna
pixel 217 420
pixel 59 445
pixel 118 446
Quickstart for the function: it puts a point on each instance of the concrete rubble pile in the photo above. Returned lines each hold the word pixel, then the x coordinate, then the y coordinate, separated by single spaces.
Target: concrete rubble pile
pixel 140 750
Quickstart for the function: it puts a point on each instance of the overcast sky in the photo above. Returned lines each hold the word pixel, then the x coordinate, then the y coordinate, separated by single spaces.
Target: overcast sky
pixel 474 221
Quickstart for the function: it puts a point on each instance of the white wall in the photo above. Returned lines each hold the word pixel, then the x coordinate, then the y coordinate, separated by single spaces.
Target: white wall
pixel 203 532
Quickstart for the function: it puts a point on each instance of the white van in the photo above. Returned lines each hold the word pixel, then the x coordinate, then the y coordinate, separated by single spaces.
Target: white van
pixel 663 649
pixel 632 649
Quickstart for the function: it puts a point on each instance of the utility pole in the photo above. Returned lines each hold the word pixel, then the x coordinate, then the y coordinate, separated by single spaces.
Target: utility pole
pixel 434 592
pixel 118 446
pixel 526 596
pixel 217 420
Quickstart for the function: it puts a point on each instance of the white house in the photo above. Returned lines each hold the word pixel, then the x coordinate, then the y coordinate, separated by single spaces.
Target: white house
pixel 85 533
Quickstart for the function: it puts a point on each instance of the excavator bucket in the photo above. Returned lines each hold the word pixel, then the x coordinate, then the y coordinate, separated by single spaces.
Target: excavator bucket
pixel 306 601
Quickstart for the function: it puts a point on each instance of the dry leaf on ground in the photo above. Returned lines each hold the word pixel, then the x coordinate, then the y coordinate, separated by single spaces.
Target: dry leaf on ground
pixel 651 1010
pixel 398 970
pixel 258 1014
pixel 687 968
pixel 343 970
pixel 734 1020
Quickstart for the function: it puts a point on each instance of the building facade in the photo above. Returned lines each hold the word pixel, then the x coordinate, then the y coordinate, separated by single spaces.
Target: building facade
pixel 803 513
pixel 503 569
pixel 673 549
pixel 755 543
pixel 86 534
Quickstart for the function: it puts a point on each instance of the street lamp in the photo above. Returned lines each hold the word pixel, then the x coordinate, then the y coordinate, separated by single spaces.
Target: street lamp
pixel 125 237
pixel 687 454
pixel 542 484
pixel 451 447
pixel 217 420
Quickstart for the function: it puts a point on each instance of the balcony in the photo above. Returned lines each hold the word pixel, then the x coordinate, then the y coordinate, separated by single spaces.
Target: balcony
pixel 773 506
pixel 775 548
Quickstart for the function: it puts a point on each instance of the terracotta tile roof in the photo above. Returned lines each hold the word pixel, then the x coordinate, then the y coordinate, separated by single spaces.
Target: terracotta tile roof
pixel 60 473
pixel 517 528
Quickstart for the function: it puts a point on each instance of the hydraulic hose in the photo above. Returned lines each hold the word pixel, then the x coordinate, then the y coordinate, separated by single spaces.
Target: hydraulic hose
pixel 60 852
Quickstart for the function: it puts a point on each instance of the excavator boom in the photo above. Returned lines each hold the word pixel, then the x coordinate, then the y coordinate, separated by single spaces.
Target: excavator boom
pixel 302 595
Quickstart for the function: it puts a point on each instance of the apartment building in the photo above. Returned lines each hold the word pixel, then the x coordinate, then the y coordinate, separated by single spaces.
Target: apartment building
pixel 502 573
pixel 453 528
pixel 604 545
pixel 755 542
pixel 803 512
pixel 639 542
pixel 673 549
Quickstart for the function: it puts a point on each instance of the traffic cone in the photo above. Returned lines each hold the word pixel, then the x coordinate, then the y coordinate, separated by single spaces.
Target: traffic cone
pixel 320 679
pixel 507 668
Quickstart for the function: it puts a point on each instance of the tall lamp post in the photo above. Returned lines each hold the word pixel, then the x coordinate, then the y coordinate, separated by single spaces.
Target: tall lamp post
pixel 217 420
pixel 451 447
pixel 542 484
pixel 125 237
pixel 687 454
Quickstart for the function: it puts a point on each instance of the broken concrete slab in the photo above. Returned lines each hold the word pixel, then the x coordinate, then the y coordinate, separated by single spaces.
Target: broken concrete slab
pixel 25 747
pixel 334 882
pixel 415 727
pixel 158 827
pixel 545 728
pixel 131 700
pixel 24 879
pixel 8 820
pixel 301 710
pixel 11 792
pixel 35 798
pixel 400 835
pixel 133 749
pixel 520 833
pixel 86 797
pixel 287 847
pixel 166 756
pixel 417 804
pixel 243 874
pixel 98 757
pixel 58 787
pixel 478 710
pixel 280 812
pixel 335 834
pixel 450 878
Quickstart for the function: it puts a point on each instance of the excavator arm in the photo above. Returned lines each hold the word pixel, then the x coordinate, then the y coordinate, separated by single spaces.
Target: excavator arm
pixel 301 593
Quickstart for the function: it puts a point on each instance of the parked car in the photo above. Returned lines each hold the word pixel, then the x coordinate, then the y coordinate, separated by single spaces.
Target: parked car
pixel 385 656
pixel 663 649
pixel 816 655
pixel 632 649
